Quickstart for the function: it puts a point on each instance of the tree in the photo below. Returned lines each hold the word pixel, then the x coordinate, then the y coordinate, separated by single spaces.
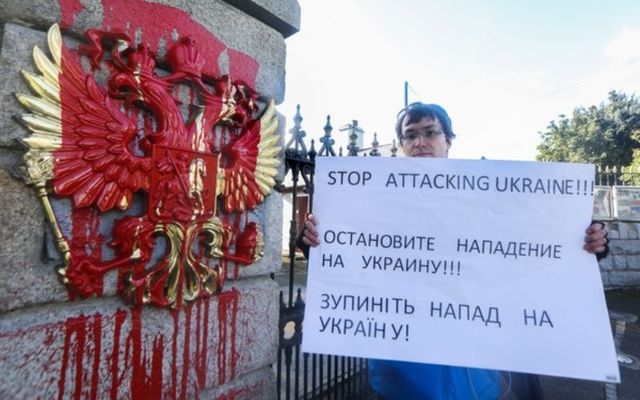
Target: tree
pixel 604 135
pixel 632 175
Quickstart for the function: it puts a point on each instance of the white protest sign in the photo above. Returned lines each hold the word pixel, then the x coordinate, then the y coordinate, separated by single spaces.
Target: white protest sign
pixel 458 262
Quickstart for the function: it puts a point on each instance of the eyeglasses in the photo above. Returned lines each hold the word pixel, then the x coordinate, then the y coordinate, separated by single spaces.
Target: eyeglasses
pixel 413 134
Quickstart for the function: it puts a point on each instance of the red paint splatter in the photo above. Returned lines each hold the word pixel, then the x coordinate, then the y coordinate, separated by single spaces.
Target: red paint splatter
pixel 82 335
pixel 68 11
pixel 151 19
pixel 145 384
pixel 140 358
pixel 80 328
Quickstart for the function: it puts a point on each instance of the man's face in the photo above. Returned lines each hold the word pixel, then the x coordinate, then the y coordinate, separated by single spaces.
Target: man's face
pixel 424 138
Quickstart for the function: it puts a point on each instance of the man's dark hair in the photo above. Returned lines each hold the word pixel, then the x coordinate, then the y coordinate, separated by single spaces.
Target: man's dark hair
pixel 416 111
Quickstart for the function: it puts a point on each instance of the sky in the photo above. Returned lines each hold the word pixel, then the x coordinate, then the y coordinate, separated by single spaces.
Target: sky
pixel 502 69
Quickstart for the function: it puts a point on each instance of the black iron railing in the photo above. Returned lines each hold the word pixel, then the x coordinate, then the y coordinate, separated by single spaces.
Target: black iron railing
pixel 302 375
pixel 615 175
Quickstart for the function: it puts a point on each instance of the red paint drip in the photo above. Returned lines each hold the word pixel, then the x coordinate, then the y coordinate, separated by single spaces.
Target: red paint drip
pixel 97 341
pixel 234 350
pixel 185 348
pixel 87 241
pixel 65 361
pixel 154 385
pixel 202 338
pixel 142 363
pixel 227 307
pixel 174 360
pixel 135 340
pixel 80 329
pixel 68 11
pixel 119 318
pixel 81 337
pixel 145 384
pixel 131 16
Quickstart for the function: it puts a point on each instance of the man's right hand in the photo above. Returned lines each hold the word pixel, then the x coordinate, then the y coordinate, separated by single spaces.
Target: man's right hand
pixel 310 233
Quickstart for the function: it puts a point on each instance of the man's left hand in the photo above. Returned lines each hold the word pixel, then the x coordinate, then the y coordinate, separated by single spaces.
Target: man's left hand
pixel 596 239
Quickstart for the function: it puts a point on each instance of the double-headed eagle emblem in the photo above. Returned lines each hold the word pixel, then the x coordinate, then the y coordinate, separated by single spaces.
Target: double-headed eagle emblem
pixel 132 138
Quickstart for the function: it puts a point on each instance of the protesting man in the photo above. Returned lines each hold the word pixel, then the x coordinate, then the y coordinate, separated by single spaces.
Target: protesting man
pixel 424 130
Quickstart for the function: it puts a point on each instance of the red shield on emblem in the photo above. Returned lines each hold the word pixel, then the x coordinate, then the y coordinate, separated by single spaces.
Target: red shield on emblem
pixel 183 185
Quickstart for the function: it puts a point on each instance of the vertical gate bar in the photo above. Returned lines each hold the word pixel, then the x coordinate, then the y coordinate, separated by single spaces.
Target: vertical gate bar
pixel 350 369
pixel 281 307
pixel 344 376
pixel 305 380
pixel 321 372
pixel 287 373
pixel 360 375
pixel 329 375
pixel 356 368
pixel 296 381
pixel 293 230
pixel 279 372
pixel 313 376
pixel 364 374
pixel 335 376
pixel 314 382
pixel 327 359
pixel 312 172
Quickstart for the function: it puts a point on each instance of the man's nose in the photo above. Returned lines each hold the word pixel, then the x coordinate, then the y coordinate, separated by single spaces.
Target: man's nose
pixel 421 140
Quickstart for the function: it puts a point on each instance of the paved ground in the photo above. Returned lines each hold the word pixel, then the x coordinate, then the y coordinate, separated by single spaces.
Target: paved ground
pixel 627 301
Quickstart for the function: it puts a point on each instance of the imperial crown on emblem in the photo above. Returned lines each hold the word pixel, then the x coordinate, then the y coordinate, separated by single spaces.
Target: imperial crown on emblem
pixel 106 146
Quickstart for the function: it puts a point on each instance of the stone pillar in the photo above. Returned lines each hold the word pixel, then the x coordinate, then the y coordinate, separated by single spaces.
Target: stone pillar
pixel 622 267
pixel 57 345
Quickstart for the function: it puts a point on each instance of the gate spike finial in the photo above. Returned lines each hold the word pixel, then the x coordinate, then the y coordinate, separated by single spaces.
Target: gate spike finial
pixel 375 152
pixel 327 141
pixel 394 149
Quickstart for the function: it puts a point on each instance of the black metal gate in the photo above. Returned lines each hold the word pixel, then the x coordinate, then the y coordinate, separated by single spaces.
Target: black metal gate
pixel 303 375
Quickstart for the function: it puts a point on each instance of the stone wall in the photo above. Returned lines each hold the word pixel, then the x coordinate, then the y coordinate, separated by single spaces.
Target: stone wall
pixel 220 347
pixel 622 267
